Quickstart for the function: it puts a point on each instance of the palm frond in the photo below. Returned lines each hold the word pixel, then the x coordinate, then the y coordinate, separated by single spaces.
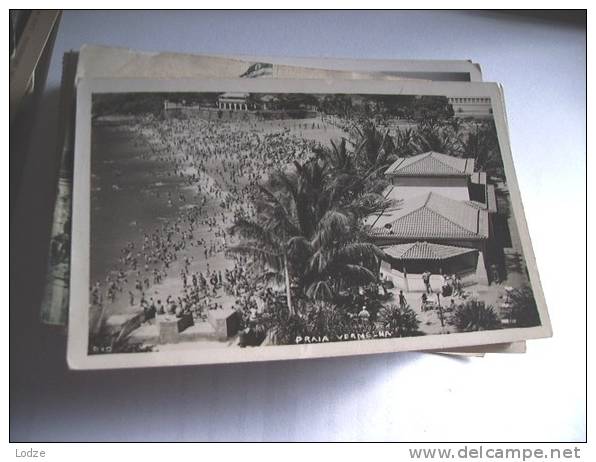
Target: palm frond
pixel 359 272
pixel 361 251
pixel 260 253
pixel 275 277
pixel 279 212
pixel 299 246
pixel 249 229
pixel 332 229
pixel 319 290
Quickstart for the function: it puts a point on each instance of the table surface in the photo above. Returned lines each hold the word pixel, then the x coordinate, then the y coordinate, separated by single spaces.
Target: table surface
pixel 539 396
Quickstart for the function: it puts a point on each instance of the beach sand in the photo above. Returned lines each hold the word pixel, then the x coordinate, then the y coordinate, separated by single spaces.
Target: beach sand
pixel 130 185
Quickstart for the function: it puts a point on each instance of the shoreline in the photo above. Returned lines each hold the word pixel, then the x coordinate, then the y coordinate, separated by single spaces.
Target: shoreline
pixel 176 162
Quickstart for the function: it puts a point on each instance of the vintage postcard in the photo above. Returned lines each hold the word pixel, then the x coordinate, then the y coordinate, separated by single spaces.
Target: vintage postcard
pixel 97 61
pixel 101 61
pixel 221 221
pixel 115 62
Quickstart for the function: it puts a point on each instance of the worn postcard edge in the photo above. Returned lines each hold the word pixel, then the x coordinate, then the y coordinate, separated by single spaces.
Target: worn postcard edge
pixel 442 70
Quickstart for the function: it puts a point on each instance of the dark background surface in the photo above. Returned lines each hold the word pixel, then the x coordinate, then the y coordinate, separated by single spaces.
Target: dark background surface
pixel 408 396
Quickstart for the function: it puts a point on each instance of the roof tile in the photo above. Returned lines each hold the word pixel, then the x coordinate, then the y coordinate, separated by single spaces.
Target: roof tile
pixel 431 164
pixel 432 216
pixel 425 251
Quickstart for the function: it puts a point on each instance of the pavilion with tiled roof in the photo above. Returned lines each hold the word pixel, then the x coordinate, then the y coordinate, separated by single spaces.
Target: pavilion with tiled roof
pixel 406 262
pixel 426 251
pixel 441 222
pixel 430 232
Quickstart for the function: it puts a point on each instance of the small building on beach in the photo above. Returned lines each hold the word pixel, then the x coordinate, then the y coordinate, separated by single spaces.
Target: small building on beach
pixel 431 171
pixel 233 101
pixel 405 263
pixel 441 235
pixel 471 107
pixel 441 221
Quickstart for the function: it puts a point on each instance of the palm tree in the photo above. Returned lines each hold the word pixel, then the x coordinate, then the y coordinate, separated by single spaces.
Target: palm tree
pixel 404 142
pixel 338 257
pixel 266 249
pixel 474 315
pixel 349 185
pixel 523 307
pixel 403 321
pixel 432 136
pixel 326 319
pixel 337 157
pixel 482 145
pixel 456 124
pixel 286 211
pixel 305 229
pixel 373 149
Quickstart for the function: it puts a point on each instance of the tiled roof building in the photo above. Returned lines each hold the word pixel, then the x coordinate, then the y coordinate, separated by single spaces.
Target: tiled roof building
pixel 431 164
pixel 432 216
pixel 441 223
pixel 425 251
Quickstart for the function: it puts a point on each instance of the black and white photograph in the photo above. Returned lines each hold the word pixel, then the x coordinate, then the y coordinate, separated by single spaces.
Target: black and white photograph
pixel 298 226
pixel 94 61
pixel 243 220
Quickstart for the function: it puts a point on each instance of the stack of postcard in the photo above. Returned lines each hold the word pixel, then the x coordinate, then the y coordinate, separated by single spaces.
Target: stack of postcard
pixel 216 209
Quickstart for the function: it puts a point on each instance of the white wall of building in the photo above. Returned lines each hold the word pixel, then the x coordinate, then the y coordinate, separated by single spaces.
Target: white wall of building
pixel 471 107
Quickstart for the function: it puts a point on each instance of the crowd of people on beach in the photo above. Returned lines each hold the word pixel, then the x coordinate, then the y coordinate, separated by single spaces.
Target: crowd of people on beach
pixel 217 168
